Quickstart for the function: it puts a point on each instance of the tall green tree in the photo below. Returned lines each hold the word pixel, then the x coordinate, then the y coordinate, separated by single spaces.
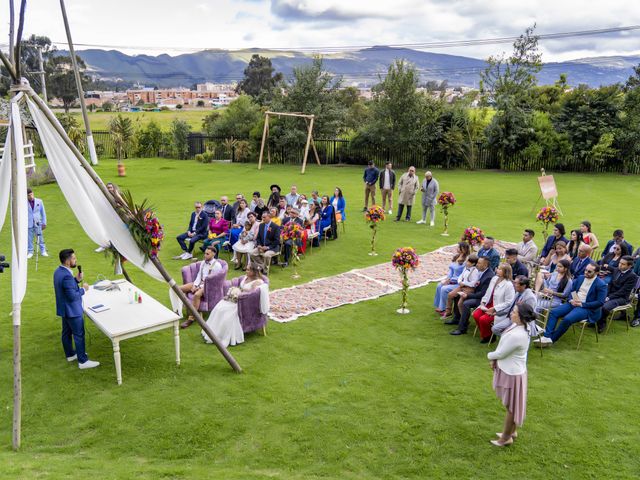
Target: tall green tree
pixel 260 79
pixel 62 82
pixel 237 120
pixel 123 135
pixel 628 134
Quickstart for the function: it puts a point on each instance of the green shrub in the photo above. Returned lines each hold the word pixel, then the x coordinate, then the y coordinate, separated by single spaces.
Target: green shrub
pixel 207 157
pixel 199 157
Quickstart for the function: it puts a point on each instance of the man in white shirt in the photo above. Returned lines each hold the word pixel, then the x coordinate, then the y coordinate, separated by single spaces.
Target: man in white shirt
pixel 208 267
pixel 293 197
pixel 527 250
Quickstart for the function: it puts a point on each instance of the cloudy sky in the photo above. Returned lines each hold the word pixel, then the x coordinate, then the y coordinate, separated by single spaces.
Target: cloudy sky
pixel 173 27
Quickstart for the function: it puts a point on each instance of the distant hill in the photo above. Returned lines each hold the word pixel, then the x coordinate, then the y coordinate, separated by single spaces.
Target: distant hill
pixel 362 66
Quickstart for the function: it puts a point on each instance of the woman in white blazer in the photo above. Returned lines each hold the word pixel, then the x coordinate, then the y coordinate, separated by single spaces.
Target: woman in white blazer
pixel 509 364
pixel 496 302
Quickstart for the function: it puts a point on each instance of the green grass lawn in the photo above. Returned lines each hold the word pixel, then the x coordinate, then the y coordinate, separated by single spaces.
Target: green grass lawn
pixel 100 120
pixel 355 392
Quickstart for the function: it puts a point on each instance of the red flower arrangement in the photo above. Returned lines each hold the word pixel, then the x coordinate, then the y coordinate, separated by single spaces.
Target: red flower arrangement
pixel 548 215
pixel 155 231
pixel 446 199
pixel 291 231
pixel 473 236
pixel 374 215
pixel 405 258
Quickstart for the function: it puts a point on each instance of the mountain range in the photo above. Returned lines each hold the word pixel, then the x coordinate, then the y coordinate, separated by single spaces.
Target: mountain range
pixel 362 66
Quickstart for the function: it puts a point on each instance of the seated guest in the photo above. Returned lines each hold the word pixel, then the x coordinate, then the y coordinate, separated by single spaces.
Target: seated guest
pixel 228 213
pixel 338 202
pixel 241 216
pixel 274 198
pixel 618 239
pixel 587 236
pixel 239 197
pixel 524 295
pixel 327 219
pixel 282 207
pixel 559 252
pixel 517 267
pixel 267 242
pixel 207 267
pixel 619 290
pixel 450 282
pixel 288 244
pixel 467 282
pixel 581 261
pixel 286 213
pixel 588 294
pixel 487 250
pixel 246 240
pixel 273 213
pixel 304 209
pixel 292 197
pixel 574 243
pixel 558 235
pixel 609 263
pixel 555 287
pixel 315 198
pixel 469 301
pixel 260 208
pixel 527 249
pixel 218 229
pixel 496 303
pixel 196 231
pixel 254 201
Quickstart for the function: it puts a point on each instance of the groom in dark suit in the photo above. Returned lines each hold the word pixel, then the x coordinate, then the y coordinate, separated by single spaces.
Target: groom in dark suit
pixel 268 241
pixel 69 307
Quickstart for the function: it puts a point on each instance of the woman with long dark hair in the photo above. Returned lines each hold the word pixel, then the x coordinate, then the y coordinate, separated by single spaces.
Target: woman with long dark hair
pixel 574 243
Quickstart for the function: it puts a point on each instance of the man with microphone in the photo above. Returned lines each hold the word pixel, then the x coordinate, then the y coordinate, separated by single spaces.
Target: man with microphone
pixel 69 307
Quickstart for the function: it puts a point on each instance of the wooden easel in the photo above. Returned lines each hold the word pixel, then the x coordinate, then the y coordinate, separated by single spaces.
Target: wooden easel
pixel 309 119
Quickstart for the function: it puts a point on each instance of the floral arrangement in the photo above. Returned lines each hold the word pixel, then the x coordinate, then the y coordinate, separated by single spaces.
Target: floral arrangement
pixel 233 294
pixel 144 226
pixel 374 215
pixel 405 258
pixel 446 200
pixel 547 215
pixel 473 236
pixel 291 231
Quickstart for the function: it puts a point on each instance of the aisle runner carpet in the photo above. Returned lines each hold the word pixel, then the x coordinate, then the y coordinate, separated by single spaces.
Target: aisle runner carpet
pixel 355 286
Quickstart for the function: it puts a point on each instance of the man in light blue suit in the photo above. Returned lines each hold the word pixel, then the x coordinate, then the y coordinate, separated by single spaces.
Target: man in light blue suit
pixel 69 308
pixel 37 223
pixel 588 295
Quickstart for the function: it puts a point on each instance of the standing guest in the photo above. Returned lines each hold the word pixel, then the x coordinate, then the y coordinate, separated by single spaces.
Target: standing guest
pixel 227 211
pixel 218 229
pixel 496 302
pixel 588 236
pixel 370 178
pixel 491 253
pixel 430 190
pixel 387 184
pixel 609 264
pixel 292 197
pixel 555 288
pixel 509 364
pixel 527 249
pixel 246 240
pixel 267 242
pixel 327 218
pixel 574 243
pixel 619 290
pixel 69 308
pixel 407 188
pixel 523 295
pixel 196 231
pixel 254 201
pixel 207 267
pixel 260 208
pixel 338 203
pixel 37 223
pixel 469 301
pixel 588 295
pixel 618 239
pixel 274 198
pixel 558 235
pixel 241 216
pixel 450 282
pixel 581 261
pixel 517 267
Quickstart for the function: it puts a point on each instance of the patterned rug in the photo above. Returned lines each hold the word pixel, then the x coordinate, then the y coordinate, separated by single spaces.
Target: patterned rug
pixel 288 304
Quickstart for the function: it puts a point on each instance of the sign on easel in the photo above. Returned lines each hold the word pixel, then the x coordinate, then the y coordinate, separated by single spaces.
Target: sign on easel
pixel 548 190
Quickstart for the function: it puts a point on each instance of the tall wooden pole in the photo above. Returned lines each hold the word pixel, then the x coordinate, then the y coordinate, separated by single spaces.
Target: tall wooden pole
pixel 76 71
pixel 12 15
pixel 41 72
pixel 306 148
pixel 264 137
pixel 98 181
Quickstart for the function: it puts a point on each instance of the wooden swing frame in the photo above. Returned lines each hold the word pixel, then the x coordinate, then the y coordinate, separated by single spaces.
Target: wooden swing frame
pixel 309 119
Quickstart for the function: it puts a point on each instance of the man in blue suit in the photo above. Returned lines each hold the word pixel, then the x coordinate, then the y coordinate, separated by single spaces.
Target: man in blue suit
pixel 37 223
pixel 196 230
pixel 69 308
pixel 588 295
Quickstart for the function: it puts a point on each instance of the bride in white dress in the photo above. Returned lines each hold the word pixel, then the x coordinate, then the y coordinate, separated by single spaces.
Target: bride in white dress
pixel 223 319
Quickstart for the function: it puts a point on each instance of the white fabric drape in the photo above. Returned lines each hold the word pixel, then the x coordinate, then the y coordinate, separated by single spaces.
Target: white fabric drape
pixel 264 298
pixel 94 212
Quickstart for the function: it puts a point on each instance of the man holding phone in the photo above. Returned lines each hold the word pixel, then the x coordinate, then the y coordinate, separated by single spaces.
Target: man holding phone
pixel 69 308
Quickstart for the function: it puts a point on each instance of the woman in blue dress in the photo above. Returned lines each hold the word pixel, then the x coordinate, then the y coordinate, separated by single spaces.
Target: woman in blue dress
pixel 555 287
pixel 451 281
pixel 327 218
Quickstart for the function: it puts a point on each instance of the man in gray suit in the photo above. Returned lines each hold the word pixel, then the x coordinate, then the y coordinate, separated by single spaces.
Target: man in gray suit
pixel 430 190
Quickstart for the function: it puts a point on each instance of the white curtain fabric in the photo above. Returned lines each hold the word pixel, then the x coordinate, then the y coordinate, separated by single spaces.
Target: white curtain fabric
pixel 94 212
pixel 264 298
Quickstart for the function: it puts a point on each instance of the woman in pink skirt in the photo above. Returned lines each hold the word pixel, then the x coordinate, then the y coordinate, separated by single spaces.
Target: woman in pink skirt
pixel 509 363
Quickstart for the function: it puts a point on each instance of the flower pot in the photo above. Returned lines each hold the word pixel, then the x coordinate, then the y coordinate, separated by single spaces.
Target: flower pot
pixel 122 172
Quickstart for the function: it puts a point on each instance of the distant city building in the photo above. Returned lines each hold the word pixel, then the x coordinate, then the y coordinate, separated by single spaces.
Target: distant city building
pixel 182 96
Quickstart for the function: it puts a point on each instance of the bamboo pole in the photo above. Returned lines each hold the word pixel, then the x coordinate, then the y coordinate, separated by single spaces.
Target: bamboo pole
pixel 83 162
pixel 264 136
pixel 11 23
pixel 9 66
pixel 306 148
pixel 16 58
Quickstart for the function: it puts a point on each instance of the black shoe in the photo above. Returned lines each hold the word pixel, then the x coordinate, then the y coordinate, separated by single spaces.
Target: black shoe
pixel 636 322
pixel 494 339
pixel 591 325
pixel 600 329
pixel 284 264
pixel 396 219
pixel 485 340
pixel 457 332
pixel 365 209
pixel 453 321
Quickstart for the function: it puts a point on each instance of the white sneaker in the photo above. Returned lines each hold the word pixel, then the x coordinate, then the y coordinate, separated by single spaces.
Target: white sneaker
pixel 390 212
pixel 419 222
pixel 543 341
pixel 44 254
pixel 179 257
pixel 186 256
pixel 30 255
pixel 431 224
pixel 88 364
pixel 99 249
pixel 72 359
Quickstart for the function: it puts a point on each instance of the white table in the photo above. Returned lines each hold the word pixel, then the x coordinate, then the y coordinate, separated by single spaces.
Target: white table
pixel 127 320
